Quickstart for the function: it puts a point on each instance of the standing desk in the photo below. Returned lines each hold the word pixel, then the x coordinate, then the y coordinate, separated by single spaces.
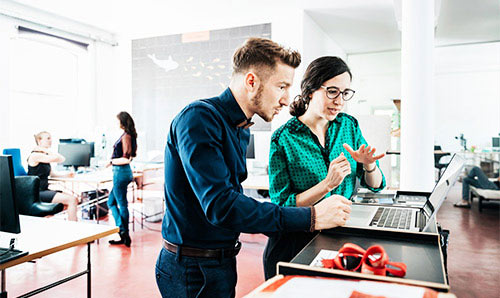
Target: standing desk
pixel 44 236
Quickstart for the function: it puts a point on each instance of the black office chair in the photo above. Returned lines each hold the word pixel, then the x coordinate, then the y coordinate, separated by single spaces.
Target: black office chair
pixel 437 158
pixel 28 198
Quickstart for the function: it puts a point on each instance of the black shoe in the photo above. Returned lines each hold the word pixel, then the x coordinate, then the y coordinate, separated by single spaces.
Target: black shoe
pixel 126 239
pixel 116 242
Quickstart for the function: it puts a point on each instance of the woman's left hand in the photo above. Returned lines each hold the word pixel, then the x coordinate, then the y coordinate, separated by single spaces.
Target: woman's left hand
pixel 364 155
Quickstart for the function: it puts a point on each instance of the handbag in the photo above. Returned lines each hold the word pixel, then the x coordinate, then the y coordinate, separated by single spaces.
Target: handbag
pixel 89 211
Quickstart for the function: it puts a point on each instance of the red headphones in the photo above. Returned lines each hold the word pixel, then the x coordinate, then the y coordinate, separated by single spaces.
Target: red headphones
pixel 374 260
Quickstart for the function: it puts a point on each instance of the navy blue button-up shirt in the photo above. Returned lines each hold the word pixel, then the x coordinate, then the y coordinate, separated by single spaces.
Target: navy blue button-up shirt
pixel 204 167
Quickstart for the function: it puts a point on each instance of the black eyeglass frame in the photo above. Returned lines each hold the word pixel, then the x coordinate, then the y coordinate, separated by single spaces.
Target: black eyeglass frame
pixel 340 92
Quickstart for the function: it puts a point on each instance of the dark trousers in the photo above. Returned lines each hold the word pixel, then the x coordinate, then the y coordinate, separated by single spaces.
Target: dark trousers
pixel 185 277
pixel 283 247
pixel 117 201
pixel 481 182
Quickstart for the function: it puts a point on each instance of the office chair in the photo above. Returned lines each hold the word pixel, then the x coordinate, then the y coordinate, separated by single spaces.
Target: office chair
pixel 437 158
pixel 28 198
pixel 16 161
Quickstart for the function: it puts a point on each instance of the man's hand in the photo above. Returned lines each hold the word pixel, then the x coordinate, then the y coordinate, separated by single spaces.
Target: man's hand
pixel 364 155
pixel 332 212
pixel 339 168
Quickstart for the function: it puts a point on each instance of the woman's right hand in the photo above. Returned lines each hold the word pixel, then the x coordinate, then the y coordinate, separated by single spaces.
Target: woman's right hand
pixel 339 168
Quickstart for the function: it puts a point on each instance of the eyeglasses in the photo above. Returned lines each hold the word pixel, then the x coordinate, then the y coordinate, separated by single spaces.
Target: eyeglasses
pixel 334 92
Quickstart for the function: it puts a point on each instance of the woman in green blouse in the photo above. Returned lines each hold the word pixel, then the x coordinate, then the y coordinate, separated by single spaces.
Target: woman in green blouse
pixel 312 155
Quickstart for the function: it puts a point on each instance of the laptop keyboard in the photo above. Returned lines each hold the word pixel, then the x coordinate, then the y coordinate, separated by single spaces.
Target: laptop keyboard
pixel 395 218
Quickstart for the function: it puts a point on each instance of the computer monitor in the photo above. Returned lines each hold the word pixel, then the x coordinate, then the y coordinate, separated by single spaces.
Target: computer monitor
pixel 79 141
pixel 9 214
pixel 251 147
pixel 495 142
pixel 77 155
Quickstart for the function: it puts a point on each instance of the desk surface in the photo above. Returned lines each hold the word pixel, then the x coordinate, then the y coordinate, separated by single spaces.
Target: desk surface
pixel 91 177
pixel 256 182
pixel 269 287
pixel 436 152
pixel 44 236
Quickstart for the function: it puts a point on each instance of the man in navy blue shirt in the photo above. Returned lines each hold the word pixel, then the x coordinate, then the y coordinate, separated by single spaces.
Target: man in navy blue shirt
pixel 204 167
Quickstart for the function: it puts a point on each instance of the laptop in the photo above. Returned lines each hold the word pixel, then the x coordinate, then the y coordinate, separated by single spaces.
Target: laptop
pixel 401 218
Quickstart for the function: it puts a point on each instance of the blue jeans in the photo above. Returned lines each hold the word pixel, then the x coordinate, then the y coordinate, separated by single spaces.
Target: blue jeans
pixel 186 277
pixel 481 182
pixel 117 201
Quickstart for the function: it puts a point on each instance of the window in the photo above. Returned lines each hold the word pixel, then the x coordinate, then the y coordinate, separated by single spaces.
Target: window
pixel 49 88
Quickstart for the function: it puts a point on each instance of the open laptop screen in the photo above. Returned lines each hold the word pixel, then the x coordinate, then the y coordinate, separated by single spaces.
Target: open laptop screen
pixel 444 184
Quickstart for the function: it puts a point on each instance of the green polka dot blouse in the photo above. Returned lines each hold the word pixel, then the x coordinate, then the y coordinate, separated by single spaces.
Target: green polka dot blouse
pixel 297 161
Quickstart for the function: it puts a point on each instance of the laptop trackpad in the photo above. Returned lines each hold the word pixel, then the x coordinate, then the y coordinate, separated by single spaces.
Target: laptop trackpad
pixel 361 215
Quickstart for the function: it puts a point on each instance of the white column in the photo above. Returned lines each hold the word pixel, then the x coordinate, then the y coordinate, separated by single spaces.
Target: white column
pixel 417 89
pixel 7 30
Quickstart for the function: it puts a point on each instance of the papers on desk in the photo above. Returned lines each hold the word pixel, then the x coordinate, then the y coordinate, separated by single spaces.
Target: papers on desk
pixel 301 286
pixel 323 254
pixel 366 196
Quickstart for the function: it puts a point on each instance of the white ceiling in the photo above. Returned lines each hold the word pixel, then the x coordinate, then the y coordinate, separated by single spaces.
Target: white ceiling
pixel 371 26
pixel 357 25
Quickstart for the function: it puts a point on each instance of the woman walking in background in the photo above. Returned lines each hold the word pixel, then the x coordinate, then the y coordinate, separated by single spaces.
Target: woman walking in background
pixel 124 150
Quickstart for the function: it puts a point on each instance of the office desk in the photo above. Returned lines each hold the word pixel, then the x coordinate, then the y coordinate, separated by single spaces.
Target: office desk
pixel 256 182
pixel 95 179
pixel 44 236
pixel 270 287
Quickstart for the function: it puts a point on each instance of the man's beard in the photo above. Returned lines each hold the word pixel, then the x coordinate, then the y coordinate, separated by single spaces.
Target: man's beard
pixel 257 104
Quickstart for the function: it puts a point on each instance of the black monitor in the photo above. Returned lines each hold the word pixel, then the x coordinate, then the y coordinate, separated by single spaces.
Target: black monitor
pixel 9 214
pixel 495 142
pixel 79 141
pixel 251 147
pixel 76 154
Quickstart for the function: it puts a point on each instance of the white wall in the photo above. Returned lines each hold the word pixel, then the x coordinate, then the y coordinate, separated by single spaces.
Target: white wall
pixel 92 97
pixel 291 27
pixel 6 30
pixel 467 90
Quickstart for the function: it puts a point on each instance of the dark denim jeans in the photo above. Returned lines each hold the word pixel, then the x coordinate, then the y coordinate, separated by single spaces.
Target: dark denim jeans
pixel 117 201
pixel 183 277
pixel 481 182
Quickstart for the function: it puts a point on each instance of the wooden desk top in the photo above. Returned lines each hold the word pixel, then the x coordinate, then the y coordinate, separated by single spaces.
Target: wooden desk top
pixel 44 236
pixel 268 288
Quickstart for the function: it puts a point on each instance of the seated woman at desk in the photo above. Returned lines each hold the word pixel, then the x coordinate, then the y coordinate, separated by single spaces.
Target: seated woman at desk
pixel 124 150
pixel 39 165
pixel 312 155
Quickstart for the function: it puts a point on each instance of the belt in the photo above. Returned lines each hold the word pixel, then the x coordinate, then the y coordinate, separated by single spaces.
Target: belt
pixel 203 253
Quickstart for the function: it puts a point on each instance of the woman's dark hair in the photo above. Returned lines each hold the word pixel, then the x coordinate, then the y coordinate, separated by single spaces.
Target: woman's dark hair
pixel 318 72
pixel 127 123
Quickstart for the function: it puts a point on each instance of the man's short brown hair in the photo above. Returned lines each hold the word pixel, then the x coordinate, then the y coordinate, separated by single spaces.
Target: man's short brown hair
pixel 259 53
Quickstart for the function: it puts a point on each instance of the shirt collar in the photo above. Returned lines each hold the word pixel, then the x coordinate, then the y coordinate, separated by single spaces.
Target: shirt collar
pixel 233 110
pixel 297 125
